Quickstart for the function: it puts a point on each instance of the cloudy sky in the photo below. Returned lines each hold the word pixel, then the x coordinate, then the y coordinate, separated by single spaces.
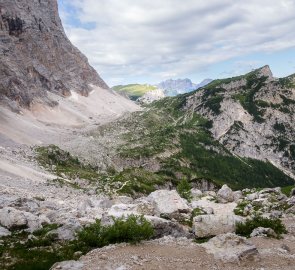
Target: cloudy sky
pixel 147 41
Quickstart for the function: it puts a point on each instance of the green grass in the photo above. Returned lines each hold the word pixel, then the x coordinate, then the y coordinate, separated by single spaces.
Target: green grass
pixel 19 253
pixel 63 164
pixel 184 189
pixel 137 181
pixel 134 90
pixel 287 190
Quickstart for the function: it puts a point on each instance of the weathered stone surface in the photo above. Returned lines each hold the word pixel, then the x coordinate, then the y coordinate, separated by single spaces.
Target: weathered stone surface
pixel 263 232
pixel 167 202
pixel 225 195
pixel 211 225
pixel 163 227
pixel 12 218
pixel 68 265
pixel 231 248
pixel 253 196
pixel 196 193
pixel 4 232
pixel 238 195
pixel 36 55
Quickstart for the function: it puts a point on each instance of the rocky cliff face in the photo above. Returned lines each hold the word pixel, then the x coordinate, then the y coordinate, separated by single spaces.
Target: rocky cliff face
pixel 36 55
pixel 252 115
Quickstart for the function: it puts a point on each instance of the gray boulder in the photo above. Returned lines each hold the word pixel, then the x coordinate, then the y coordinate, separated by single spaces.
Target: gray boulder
pixel 163 227
pixel 238 195
pixel 14 219
pixel 196 193
pixel 231 248
pixel 225 195
pixel 211 225
pixel 167 202
pixel 263 232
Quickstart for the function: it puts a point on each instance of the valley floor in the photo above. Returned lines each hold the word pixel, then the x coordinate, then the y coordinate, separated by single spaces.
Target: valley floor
pixel 183 254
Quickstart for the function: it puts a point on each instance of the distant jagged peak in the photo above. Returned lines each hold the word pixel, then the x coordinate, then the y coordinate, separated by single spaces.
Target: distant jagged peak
pixel 264 71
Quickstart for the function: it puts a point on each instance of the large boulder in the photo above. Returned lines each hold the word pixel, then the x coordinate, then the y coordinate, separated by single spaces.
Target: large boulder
pixel 163 227
pixel 14 219
pixel 211 225
pixel 167 202
pixel 231 248
pixel 225 195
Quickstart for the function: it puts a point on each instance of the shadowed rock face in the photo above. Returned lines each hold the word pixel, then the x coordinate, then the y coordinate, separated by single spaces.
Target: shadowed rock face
pixel 36 56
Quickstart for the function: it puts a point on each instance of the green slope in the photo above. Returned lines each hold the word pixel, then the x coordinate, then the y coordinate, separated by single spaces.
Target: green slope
pixel 194 154
pixel 134 91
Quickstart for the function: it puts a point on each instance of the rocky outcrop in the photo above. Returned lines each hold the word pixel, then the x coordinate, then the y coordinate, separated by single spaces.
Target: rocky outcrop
pixel 151 96
pixel 251 116
pixel 36 55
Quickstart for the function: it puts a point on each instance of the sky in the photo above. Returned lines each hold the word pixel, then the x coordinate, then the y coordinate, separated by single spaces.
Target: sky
pixel 148 41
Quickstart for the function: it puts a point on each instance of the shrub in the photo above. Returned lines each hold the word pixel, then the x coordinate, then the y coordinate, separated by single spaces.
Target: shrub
pixel 132 230
pixel 184 189
pixel 245 229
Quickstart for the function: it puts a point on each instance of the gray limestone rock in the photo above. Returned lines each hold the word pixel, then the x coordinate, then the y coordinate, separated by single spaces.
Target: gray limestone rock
pixel 225 195
pixel 4 232
pixel 36 56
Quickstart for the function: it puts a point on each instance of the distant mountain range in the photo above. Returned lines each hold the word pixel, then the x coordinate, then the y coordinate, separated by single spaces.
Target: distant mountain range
pixel 166 88
pixel 180 86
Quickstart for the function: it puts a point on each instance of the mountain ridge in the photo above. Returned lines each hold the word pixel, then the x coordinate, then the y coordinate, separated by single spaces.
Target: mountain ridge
pixel 36 56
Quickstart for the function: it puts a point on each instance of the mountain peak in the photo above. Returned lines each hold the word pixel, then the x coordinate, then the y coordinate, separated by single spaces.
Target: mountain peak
pixel 265 71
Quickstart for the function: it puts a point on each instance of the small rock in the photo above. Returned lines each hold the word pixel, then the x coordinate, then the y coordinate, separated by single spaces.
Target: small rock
pixel 285 247
pixel 4 232
pixel 238 195
pixel 252 196
pixel 196 193
pixel 263 232
pixel 68 265
pixel 276 214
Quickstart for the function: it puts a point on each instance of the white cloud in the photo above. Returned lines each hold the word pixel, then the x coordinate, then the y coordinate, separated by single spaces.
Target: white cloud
pixel 159 38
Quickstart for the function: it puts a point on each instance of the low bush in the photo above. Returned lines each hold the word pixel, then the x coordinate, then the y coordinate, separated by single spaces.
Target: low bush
pixel 245 229
pixel 132 230
pixel 184 189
